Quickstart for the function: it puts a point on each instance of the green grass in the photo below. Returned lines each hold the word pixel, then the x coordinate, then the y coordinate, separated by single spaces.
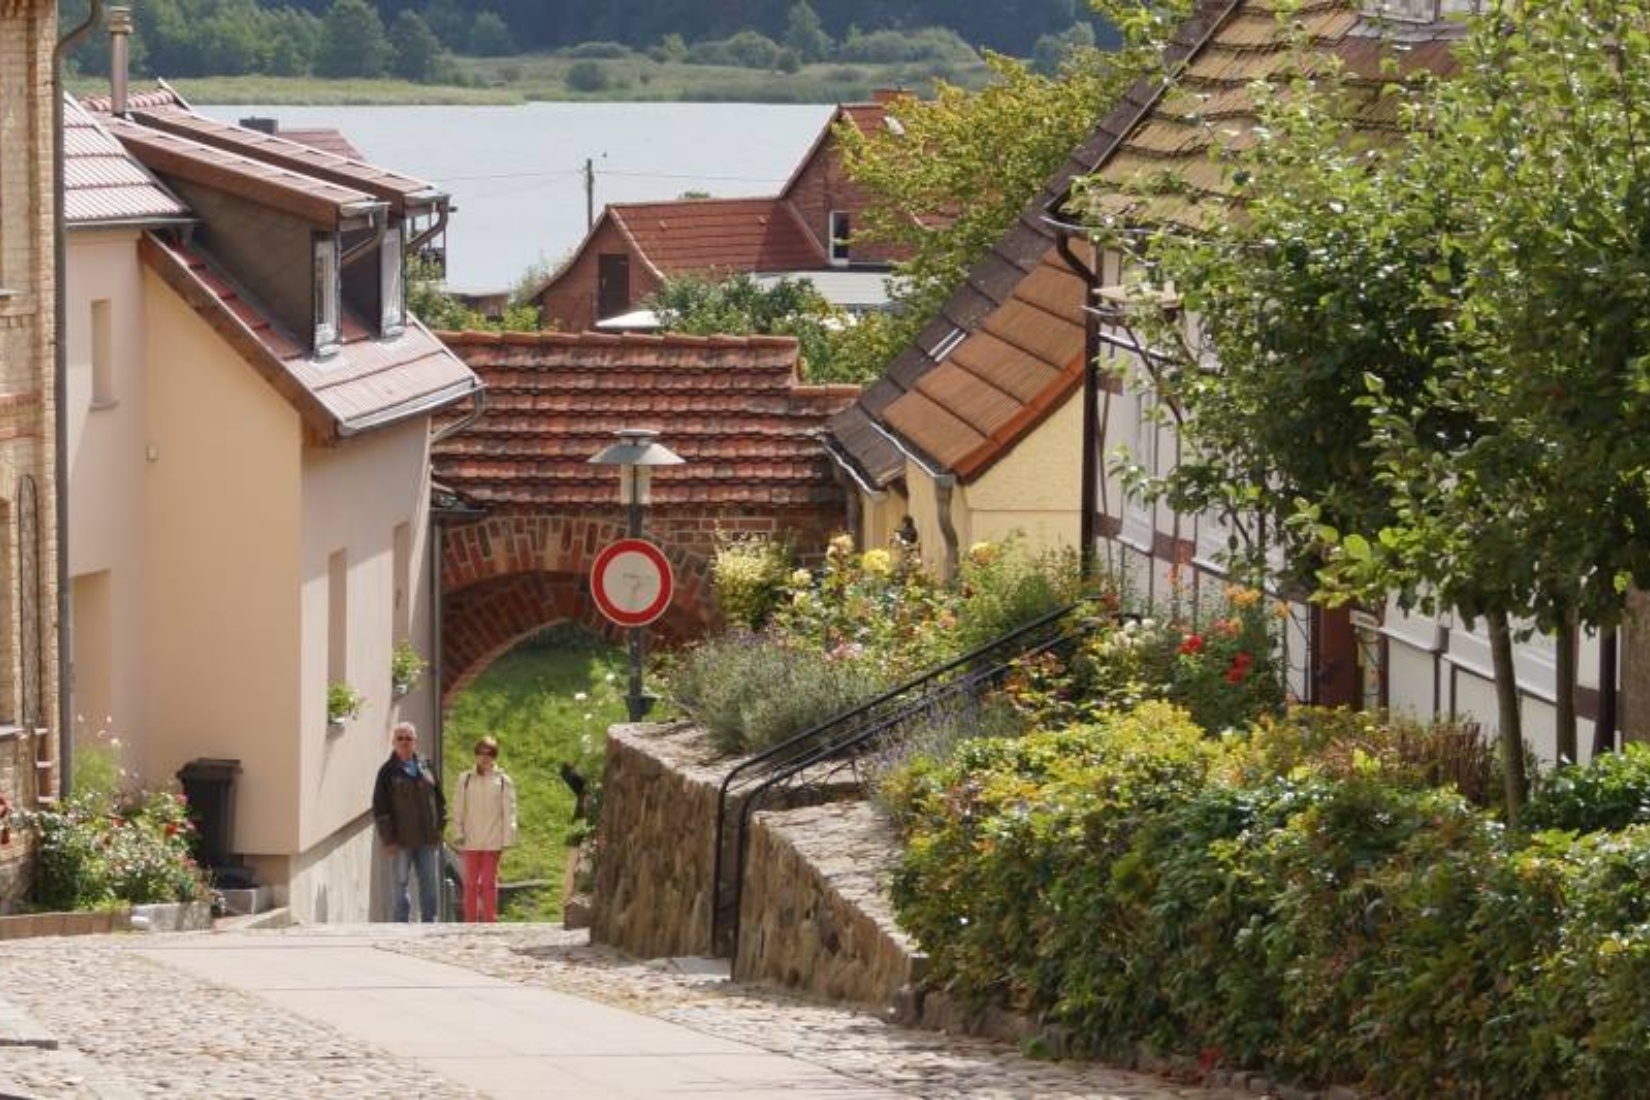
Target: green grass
pixel 530 699
pixel 488 81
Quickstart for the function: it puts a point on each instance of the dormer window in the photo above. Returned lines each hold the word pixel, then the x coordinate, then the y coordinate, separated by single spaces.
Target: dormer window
pixel 328 302
pixel 841 229
pixel 392 284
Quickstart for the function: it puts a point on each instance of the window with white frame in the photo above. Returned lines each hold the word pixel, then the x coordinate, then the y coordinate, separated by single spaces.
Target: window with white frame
pixel 328 292
pixel 842 228
pixel 392 293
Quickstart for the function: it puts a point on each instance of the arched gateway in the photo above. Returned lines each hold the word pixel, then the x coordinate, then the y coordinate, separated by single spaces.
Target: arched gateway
pixel 521 513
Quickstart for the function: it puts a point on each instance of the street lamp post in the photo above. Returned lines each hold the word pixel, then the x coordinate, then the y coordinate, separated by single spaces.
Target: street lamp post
pixel 635 454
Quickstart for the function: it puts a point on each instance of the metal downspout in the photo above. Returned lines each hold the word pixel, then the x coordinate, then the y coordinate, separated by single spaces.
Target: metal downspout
pixel 1090 478
pixel 944 484
pixel 60 414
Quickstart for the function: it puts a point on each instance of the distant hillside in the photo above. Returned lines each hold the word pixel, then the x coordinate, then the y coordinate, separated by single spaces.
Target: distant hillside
pixel 416 39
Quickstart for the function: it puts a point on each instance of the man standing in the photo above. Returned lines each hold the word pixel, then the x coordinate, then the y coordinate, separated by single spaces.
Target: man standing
pixel 410 812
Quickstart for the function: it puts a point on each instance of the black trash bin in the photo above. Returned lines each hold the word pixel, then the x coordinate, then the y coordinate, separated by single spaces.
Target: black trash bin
pixel 209 785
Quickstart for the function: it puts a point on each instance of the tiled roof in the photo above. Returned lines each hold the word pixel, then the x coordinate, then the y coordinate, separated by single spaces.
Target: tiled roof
pixel 102 183
pixel 316 200
pixel 924 401
pixel 284 152
pixel 367 383
pixel 697 235
pixel 730 406
pixel 328 141
pixel 1211 108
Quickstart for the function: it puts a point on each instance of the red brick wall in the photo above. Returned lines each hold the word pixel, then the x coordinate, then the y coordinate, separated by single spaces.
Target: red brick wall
pixel 507 577
pixel 821 187
pixel 569 301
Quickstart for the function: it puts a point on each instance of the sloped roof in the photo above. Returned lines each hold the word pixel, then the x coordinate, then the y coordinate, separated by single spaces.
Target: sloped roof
pixel 867 118
pixel 283 151
pixel 102 183
pixel 326 140
pixel 731 406
pixel 925 404
pixel 367 383
pixel 695 235
pixel 316 200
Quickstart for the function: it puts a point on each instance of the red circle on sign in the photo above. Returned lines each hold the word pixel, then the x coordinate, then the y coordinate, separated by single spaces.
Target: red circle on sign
pixel 631 582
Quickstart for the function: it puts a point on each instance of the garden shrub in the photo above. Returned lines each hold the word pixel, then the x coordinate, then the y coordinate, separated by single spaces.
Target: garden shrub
pixel 1004 839
pixel 95 850
pixel 1339 742
pixel 1225 673
pixel 586 76
pixel 750 691
pixel 1005 586
pixel 749 576
pixel 1611 792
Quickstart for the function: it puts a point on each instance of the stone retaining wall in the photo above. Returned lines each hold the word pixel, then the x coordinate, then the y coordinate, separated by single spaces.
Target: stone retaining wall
pixel 815 913
pixel 656 841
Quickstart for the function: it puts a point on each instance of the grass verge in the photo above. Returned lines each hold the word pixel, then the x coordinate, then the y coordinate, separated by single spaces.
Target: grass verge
pixel 548 701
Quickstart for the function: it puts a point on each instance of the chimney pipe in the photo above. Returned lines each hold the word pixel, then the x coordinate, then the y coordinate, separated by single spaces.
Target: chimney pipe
pixel 120 32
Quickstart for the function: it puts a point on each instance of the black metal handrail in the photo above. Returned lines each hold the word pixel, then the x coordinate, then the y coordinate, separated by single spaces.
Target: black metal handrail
pixel 841 740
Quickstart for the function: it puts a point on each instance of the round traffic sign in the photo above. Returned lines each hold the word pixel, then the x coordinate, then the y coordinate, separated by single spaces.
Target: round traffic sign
pixel 631 582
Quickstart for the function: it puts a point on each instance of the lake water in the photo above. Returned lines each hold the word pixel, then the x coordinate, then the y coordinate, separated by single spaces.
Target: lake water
pixel 516 174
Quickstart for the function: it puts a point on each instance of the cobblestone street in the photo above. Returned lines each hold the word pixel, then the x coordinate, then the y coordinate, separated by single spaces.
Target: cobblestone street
pixel 126 1023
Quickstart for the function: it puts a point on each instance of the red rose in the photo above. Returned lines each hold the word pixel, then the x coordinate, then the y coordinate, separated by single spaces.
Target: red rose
pixel 1192 644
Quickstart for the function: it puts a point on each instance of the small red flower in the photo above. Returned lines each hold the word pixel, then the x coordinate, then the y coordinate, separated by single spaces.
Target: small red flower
pixel 1192 644
pixel 171 829
pixel 1235 674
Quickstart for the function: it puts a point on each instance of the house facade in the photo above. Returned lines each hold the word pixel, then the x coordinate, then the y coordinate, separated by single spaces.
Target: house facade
pixel 28 468
pixel 635 247
pixel 998 393
pixel 251 413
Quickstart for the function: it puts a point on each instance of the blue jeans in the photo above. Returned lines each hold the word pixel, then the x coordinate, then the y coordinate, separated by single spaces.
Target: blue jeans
pixel 424 861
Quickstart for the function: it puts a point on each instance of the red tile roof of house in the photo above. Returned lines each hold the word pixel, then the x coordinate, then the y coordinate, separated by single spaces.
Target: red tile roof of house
pixel 957 398
pixel 103 183
pixel 687 236
pixel 369 382
pixel 731 406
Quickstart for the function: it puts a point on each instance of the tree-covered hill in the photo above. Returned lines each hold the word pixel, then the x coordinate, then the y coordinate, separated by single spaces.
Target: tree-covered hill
pixel 414 39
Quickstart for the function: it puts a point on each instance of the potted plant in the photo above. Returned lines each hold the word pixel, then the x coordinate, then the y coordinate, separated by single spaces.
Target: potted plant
pixel 406 666
pixel 343 703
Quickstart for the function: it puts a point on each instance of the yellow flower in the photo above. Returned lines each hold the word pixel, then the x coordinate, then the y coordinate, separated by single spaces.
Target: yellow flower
pixel 1280 609
pixel 1241 596
pixel 878 563
pixel 841 546
pixel 982 553
pixel 801 578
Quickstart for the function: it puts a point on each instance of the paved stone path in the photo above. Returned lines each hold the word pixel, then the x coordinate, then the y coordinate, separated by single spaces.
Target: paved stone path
pixel 126 1024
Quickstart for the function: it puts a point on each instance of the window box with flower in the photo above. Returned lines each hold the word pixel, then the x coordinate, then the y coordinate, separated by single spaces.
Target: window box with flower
pixel 343 703
pixel 407 667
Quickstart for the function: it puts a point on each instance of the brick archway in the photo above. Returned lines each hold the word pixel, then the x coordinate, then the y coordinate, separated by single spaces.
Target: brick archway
pixel 507 577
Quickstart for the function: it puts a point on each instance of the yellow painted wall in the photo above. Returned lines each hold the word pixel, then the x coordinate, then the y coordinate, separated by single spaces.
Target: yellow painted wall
pixel 107 471
pixel 1034 490
pixel 222 541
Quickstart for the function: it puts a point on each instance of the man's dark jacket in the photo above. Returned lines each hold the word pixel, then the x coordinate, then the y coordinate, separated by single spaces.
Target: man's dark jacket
pixel 410 811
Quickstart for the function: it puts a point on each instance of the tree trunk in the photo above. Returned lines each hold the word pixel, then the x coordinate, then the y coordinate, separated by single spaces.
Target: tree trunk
pixel 1508 717
pixel 1568 749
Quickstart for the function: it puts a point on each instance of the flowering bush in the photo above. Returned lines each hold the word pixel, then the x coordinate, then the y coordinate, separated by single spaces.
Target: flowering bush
pixel 1224 672
pixel 749 575
pixel 96 850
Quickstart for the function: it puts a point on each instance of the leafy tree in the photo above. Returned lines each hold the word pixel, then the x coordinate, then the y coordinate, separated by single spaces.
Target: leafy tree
pixel 490 36
pixel 959 168
pixel 805 34
pixel 741 306
pixel 586 76
pixel 1431 358
pixel 1053 51
pixel 449 22
pixel 415 46
pixel 353 42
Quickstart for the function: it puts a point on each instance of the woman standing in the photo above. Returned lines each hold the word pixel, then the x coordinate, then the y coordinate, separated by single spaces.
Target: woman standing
pixel 484 824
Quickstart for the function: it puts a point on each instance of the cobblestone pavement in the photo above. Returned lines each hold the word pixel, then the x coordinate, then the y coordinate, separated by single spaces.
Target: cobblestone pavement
pixel 128 1026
